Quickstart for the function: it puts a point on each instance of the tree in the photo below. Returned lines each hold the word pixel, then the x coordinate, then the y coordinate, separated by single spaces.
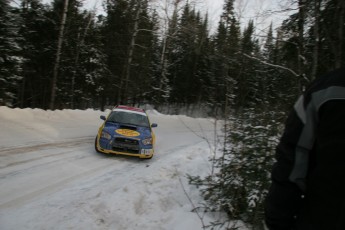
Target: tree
pixel 226 58
pixel 116 37
pixel 129 36
pixel 331 40
pixel 143 40
pixel 162 85
pixel 91 72
pixel 189 40
pixel 38 31
pixel 127 69
pixel 10 54
pixel 58 55
pixel 247 92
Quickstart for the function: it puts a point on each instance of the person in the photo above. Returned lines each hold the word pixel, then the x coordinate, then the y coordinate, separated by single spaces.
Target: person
pixel 308 178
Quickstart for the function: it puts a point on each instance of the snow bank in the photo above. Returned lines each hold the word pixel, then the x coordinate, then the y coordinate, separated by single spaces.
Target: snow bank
pixel 20 127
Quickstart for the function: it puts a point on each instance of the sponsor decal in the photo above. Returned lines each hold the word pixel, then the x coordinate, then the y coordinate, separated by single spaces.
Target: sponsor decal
pixel 127 132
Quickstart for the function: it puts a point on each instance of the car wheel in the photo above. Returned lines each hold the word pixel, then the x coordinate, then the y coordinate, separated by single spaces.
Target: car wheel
pixel 96 146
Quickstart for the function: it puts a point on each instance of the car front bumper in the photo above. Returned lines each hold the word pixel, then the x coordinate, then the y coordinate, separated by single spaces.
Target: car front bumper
pixel 108 147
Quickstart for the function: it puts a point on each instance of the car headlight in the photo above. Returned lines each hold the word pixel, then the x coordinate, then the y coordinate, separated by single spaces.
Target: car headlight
pixel 105 135
pixel 147 141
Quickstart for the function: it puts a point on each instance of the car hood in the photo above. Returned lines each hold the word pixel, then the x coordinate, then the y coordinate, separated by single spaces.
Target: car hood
pixel 124 130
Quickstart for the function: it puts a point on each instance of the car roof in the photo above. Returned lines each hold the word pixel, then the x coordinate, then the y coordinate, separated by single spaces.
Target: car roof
pixel 129 109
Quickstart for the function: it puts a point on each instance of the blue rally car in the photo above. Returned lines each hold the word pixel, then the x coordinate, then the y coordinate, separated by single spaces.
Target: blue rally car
pixel 126 131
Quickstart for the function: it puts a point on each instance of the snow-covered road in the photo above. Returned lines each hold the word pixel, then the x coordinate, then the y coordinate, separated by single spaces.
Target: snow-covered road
pixel 52 178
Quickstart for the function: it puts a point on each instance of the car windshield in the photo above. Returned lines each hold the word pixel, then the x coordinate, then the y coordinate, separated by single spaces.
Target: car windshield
pixel 128 118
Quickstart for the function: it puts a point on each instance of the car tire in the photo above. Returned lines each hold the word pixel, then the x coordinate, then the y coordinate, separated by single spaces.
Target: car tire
pixel 96 146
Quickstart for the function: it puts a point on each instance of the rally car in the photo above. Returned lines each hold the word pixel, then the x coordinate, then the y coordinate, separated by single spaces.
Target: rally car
pixel 126 131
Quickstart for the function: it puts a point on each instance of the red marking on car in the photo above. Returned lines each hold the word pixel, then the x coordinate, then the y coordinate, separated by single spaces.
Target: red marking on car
pixel 129 108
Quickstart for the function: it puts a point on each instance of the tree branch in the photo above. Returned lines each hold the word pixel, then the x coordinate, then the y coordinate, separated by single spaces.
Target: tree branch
pixel 272 65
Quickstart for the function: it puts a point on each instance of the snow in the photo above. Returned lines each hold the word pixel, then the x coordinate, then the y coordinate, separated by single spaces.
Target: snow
pixel 52 178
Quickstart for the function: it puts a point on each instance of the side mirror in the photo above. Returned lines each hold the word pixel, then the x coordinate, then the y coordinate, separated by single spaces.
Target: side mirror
pixel 103 117
pixel 153 125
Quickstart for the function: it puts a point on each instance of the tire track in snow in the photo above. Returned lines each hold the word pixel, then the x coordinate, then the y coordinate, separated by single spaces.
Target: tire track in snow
pixel 37 147
pixel 81 161
pixel 13 161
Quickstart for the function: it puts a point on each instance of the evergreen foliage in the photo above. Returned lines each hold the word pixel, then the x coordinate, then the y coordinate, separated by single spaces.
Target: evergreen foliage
pixel 240 182
pixel 10 54
pixel 38 51
pixel 123 57
pixel 263 91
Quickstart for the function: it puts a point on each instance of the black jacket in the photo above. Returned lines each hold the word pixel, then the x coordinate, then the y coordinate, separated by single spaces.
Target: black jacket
pixel 308 179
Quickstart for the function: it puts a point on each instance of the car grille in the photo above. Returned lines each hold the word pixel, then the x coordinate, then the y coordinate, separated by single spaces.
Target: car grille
pixel 126 145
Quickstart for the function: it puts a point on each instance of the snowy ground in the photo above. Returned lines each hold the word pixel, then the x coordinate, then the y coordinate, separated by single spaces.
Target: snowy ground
pixel 52 178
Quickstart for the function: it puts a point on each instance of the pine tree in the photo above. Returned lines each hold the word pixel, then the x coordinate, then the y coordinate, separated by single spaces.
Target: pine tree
pixel 140 78
pixel 226 58
pixel 81 69
pixel 183 43
pixel 331 41
pixel 184 64
pixel 160 89
pixel 247 92
pixel 116 42
pixel 91 72
pixel 38 51
pixel 10 54
pixel 129 37
pixel 60 40
pixel 268 51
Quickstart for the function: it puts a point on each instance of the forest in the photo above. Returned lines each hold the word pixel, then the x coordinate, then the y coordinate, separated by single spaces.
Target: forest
pixel 63 56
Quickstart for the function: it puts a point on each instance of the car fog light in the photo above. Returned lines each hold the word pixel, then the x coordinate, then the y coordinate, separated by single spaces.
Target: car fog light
pixel 106 135
pixel 147 141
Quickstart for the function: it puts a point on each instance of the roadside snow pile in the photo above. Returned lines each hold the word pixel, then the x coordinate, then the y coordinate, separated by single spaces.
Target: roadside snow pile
pixel 20 127
pixel 51 177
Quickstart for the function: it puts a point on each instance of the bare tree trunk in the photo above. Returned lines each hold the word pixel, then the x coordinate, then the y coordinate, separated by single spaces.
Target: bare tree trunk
pixel 122 96
pixel 164 67
pixel 58 55
pixel 22 92
pixel 81 40
pixel 336 42
pixel 339 56
pixel 317 38
pixel 301 57
pixel 165 51
pixel 163 64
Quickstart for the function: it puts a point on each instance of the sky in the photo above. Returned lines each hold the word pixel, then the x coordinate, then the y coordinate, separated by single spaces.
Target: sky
pixel 261 11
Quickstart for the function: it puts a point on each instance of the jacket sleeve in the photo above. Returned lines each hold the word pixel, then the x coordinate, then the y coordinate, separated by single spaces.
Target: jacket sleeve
pixel 284 197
